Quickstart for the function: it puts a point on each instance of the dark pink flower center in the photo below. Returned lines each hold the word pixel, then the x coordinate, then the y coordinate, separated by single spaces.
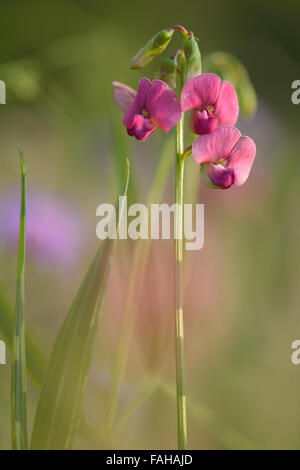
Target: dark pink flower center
pixel 221 176
pixel 140 127
pixel 203 121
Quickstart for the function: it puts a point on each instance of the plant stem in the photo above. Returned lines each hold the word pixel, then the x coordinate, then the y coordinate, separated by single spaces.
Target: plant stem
pixel 179 339
pixel 18 376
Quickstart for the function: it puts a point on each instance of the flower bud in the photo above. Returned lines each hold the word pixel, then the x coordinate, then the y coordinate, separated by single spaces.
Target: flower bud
pixel 155 46
pixel 168 72
pixel 193 57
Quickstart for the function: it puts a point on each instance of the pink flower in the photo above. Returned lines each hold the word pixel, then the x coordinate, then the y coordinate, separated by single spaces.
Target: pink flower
pixel 226 156
pixel 154 105
pixel 214 103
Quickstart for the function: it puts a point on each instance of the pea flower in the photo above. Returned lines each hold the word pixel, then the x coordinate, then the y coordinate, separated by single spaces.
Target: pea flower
pixel 226 157
pixel 214 103
pixel 154 106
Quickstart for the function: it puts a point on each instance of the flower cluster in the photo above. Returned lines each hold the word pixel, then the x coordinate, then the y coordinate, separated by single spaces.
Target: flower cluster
pixel 225 156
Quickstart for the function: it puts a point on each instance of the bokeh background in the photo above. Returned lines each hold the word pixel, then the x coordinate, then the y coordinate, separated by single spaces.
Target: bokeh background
pixel 58 59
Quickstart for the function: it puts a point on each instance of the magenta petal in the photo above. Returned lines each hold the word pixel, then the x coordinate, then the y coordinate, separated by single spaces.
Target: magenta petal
pixel 241 159
pixel 124 96
pixel 220 176
pixel 214 147
pixel 138 104
pixel 140 127
pixel 201 123
pixel 163 106
pixel 227 105
pixel 157 104
pixel 200 92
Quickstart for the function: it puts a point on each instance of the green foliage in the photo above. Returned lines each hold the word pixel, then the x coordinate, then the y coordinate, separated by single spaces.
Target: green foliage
pixel 36 361
pixel 59 408
pixel 19 377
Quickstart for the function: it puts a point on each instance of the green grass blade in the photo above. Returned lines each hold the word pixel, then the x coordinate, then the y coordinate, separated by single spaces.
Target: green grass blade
pixel 35 357
pixel 36 361
pixel 59 408
pixel 19 380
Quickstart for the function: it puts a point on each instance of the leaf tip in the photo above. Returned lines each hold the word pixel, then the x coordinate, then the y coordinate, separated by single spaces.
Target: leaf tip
pixel 22 161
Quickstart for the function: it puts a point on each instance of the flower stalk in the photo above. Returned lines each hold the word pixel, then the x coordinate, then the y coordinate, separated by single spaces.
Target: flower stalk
pixel 179 328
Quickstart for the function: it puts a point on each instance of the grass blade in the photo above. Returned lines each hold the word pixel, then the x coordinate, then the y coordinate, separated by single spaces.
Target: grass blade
pixel 59 408
pixel 19 380
pixel 36 362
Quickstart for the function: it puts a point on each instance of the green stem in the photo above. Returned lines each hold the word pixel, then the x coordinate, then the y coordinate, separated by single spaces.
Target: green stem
pixel 19 378
pixel 179 342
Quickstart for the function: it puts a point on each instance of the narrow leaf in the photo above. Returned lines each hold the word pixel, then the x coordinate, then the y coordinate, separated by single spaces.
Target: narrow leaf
pixel 59 408
pixel 19 381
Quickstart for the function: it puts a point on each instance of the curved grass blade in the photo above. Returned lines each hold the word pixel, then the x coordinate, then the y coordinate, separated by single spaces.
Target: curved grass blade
pixel 59 408
pixel 19 379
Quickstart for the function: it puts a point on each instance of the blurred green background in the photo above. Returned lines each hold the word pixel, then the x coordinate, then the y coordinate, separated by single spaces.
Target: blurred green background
pixel 58 59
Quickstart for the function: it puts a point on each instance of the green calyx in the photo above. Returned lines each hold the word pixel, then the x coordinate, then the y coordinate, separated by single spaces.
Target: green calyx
pixel 168 71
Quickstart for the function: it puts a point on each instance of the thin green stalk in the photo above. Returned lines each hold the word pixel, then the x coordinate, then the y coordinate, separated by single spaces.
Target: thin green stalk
pixel 19 380
pixel 225 436
pixel 179 331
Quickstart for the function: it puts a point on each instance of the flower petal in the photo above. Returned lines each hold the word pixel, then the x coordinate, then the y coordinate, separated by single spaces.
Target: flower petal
pixel 241 159
pixel 214 147
pixel 200 92
pixel 138 104
pixel 124 96
pixel 140 127
pixel 163 106
pixel 201 123
pixel 220 176
pixel 227 105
